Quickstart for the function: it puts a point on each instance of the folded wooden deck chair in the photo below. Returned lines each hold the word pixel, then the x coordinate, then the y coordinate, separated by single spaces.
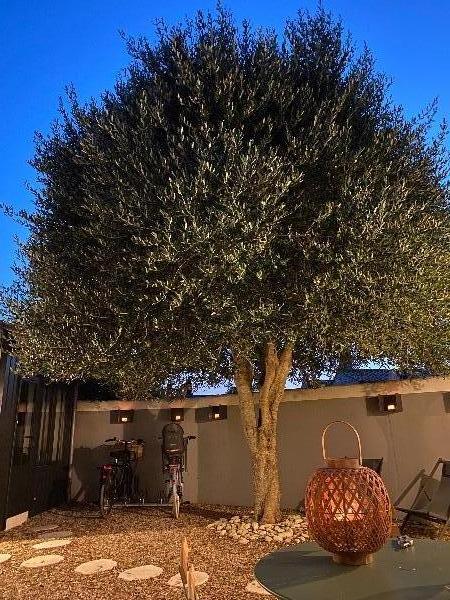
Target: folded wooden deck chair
pixel 431 506
pixel 375 464
pixel 187 573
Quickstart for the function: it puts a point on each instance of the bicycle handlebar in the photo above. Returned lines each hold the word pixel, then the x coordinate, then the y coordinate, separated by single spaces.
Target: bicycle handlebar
pixel 114 439
pixel 188 437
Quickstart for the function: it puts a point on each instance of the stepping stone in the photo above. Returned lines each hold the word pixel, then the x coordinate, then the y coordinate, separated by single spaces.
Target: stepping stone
pixel 256 588
pixel 96 566
pixel 199 579
pixel 4 557
pixel 42 561
pixel 55 535
pixel 44 528
pixel 144 572
pixel 52 544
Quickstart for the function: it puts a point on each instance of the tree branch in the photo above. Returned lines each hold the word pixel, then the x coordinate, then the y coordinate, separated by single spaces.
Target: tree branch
pixel 243 377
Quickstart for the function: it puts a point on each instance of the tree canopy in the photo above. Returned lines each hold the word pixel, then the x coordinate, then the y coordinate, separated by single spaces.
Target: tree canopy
pixel 236 187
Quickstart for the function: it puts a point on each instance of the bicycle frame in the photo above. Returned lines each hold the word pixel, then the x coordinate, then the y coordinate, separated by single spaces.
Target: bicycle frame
pixel 120 475
pixel 105 471
pixel 174 465
pixel 117 478
pixel 174 487
pixel 175 478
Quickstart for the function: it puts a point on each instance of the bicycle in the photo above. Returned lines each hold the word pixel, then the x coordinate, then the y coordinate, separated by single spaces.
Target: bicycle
pixel 118 480
pixel 174 463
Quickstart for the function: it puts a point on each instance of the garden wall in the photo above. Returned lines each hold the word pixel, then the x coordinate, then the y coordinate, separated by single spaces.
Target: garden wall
pixel 219 468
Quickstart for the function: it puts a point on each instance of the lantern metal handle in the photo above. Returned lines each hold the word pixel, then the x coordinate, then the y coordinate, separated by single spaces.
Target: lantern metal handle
pixel 351 427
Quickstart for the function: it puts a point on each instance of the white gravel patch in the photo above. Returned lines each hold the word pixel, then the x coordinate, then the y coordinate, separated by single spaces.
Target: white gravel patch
pixel 241 529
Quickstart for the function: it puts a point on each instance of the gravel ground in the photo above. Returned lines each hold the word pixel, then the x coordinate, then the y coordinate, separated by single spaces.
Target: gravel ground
pixel 132 537
pixel 425 529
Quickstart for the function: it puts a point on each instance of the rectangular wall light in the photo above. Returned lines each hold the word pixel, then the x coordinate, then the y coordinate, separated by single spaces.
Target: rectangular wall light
pixel 217 413
pixel 446 399
pixel 177 414
pixel 120 417
pixel 391 403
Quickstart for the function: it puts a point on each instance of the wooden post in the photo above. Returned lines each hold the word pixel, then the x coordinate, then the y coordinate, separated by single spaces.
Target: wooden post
pixel 187 573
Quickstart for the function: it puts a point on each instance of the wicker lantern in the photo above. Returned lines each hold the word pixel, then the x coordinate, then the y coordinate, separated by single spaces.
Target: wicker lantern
pixel 348 508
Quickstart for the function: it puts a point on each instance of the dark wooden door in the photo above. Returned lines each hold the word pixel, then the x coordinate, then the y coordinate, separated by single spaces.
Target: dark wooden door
pixel 41 449
pixel 23 448
pixel 53 441
pixel 8 383
pixel 35 442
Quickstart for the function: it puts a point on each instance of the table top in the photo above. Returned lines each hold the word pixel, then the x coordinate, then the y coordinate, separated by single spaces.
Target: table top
pixel 306 572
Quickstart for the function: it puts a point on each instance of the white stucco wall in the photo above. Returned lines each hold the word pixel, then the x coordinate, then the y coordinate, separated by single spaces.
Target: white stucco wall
pixel 219 467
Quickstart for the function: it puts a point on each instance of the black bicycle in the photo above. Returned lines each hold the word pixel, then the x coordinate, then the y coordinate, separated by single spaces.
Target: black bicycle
pixel 118 481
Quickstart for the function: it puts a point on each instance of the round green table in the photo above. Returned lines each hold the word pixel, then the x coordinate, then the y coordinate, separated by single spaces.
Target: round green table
pixel 306 572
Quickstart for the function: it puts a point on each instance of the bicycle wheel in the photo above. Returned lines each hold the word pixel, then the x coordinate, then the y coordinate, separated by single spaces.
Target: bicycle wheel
pixel 127 484
pixel 136 491
pixel 106 497
pixel 121 485
pixel 175 501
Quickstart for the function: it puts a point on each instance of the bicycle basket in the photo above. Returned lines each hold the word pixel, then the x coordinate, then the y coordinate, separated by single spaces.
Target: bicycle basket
pixel 137 450
pixel 128 451
pixel 173 439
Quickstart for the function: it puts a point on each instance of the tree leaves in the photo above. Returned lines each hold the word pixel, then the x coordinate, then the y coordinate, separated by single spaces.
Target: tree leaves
pixel 235 189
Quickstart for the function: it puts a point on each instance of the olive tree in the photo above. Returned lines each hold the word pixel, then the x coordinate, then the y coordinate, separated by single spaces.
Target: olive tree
pixel 241 207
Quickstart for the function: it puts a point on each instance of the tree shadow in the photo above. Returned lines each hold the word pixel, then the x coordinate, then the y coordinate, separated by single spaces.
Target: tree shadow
pixel 208 512
pixel 418 592
pixel 85 472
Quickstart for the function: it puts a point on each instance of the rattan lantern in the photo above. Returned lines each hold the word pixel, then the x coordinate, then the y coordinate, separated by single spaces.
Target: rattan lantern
pixel 348 508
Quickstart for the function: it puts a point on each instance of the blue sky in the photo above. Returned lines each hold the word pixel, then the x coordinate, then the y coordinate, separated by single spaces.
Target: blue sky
pixel 48 44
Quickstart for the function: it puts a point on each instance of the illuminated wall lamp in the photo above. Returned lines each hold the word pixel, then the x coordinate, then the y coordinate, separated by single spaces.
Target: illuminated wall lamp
pixel 217 413
pixel 391 403
pixel 118 417
pixel 177 414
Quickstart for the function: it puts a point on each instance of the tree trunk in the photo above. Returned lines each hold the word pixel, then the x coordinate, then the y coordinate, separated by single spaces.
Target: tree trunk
pixel 259 414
